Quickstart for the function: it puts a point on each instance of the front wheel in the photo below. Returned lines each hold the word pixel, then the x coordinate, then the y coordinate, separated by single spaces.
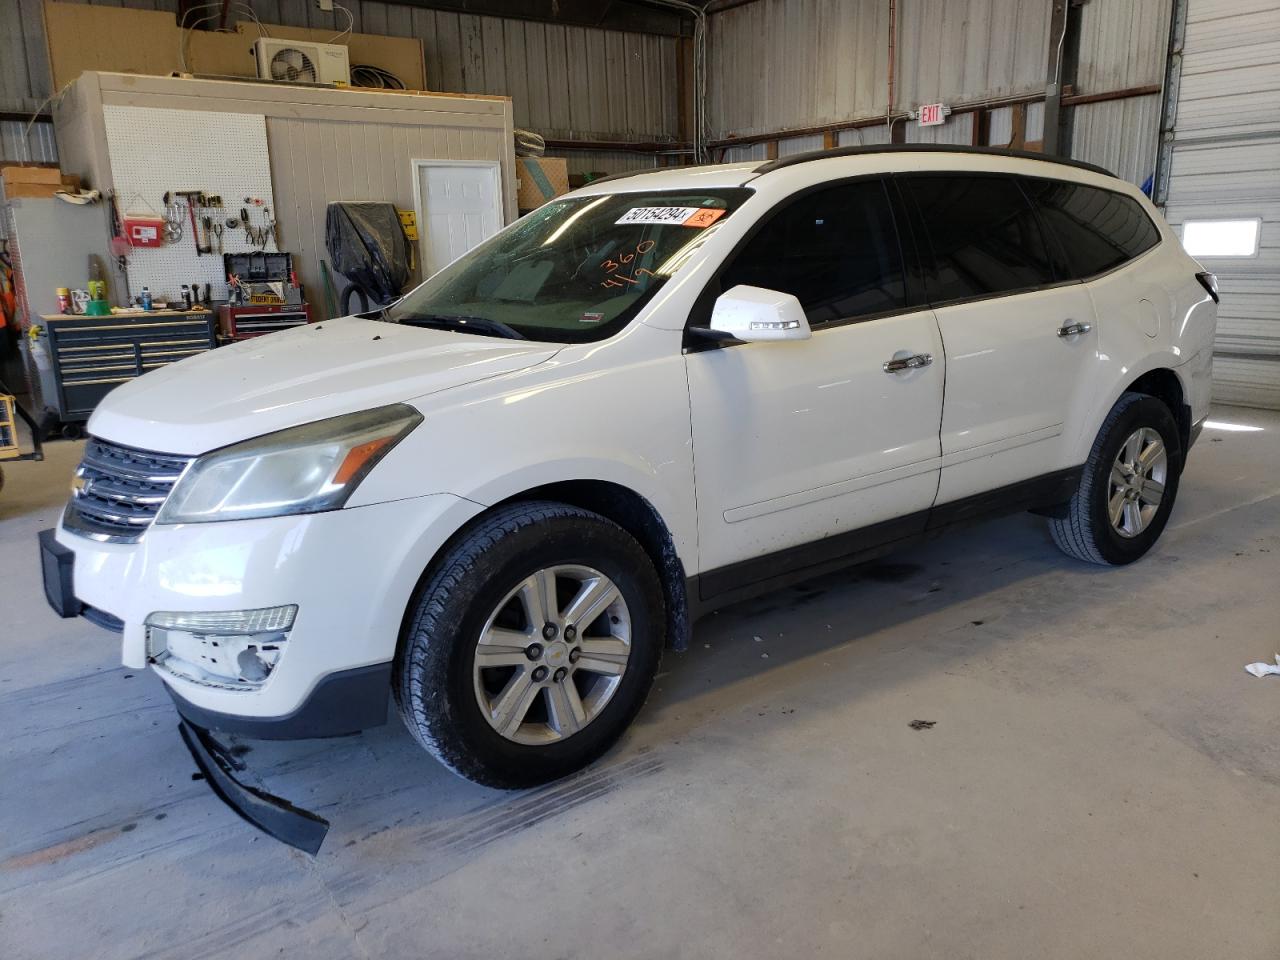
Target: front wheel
pixel 1128 486
pixel 533 645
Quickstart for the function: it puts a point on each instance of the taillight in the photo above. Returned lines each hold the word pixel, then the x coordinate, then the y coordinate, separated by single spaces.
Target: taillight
pixel 1210 283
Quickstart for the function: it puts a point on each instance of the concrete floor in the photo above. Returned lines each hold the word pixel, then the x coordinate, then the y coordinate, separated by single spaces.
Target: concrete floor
pixel 1103 779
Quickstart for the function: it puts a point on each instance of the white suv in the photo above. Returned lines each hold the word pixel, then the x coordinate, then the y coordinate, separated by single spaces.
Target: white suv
pixel 499 499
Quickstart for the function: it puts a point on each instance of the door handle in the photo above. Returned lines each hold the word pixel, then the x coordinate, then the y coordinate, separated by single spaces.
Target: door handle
pixel 1072 329
pixel 908 363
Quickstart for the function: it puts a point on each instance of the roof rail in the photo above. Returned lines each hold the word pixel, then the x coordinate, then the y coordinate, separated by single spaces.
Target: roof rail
pixel 857 151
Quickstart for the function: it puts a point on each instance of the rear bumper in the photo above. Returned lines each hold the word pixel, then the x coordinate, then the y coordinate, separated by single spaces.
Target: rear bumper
pixel 341 703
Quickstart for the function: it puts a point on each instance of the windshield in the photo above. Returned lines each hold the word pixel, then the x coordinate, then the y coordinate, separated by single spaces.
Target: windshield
pixel 574 270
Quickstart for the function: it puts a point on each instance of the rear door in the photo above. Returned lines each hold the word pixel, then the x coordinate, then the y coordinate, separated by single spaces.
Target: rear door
pixel 1019 336
pixel 808 451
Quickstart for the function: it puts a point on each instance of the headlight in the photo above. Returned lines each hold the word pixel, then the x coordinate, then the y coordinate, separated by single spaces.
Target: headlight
pixel 300 470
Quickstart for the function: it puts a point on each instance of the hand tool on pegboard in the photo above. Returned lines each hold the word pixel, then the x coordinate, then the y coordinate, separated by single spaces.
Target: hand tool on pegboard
pixel 272 227
pixel 194 198
pixel 172 218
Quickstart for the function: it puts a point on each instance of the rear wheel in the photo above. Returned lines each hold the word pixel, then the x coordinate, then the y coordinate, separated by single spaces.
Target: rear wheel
pixel 533 645
pixel 1128 486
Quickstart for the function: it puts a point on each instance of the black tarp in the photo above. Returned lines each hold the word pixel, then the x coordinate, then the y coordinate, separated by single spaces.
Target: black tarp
pixel 367 246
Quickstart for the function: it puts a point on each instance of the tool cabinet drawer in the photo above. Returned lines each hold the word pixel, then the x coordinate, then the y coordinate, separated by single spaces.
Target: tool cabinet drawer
pixel 94 355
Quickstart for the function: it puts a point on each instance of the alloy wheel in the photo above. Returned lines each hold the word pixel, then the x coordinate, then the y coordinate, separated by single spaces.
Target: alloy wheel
pixel 1137 482
pixel 552 654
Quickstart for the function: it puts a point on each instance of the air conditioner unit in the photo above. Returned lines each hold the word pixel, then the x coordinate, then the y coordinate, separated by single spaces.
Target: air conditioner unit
pixel 299 61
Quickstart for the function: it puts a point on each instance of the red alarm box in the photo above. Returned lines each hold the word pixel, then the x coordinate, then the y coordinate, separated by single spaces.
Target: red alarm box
pixel 144 231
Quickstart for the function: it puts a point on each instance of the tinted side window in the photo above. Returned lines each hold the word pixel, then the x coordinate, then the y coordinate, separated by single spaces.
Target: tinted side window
pixel 985 237
pixel 835 249
pixel 1097 230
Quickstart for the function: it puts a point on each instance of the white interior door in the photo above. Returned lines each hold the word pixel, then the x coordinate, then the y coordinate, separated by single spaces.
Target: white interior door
pixel 459 206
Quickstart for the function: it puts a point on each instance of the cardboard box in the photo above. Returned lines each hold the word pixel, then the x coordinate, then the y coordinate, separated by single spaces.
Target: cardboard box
pixel 540 179
pixel 35 182
pixel 17 174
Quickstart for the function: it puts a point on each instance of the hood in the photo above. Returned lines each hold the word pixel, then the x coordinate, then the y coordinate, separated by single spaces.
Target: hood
pixel 297 376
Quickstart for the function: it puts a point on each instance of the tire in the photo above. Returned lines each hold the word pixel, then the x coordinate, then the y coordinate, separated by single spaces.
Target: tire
pixel 480 588
pixel 1087 531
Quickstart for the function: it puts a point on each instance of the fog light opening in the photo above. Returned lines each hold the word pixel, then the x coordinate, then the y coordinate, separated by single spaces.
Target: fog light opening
pixel 231 650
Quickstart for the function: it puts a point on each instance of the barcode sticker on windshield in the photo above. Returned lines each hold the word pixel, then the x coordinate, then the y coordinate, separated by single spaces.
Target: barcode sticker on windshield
pixel 681 216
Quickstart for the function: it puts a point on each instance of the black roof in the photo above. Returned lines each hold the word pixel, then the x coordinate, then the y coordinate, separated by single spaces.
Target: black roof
pixel 857 151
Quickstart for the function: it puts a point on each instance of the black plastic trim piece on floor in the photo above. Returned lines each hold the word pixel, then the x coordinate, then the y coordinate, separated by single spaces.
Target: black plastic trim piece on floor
pixel 344 702
pixel 273 815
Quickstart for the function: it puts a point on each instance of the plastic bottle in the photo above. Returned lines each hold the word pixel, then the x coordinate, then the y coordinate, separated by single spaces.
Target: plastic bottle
pixel 146 298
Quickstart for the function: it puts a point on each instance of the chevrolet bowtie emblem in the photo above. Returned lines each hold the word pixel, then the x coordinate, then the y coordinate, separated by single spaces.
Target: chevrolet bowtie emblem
pixel 79 486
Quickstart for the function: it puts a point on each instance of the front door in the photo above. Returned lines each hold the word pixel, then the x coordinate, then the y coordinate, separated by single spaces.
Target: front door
pixel 809 451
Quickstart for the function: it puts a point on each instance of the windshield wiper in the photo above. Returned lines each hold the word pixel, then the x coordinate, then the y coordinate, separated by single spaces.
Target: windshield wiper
pixel 479 325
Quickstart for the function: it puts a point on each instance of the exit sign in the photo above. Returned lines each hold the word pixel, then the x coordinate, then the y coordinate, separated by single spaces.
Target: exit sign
pixel 932 114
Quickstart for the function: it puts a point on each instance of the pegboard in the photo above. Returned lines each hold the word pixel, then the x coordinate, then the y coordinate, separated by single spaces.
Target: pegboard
pixel 154 150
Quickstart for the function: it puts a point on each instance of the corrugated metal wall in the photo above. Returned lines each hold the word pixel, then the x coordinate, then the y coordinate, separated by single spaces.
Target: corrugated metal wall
pixel 796 63
pixel 955 51
pixel 965 50
pixel 780 64
pixel 35 146
pixel 1225 158
pixel 565 82
pixel 1122 45
pixel 1120 135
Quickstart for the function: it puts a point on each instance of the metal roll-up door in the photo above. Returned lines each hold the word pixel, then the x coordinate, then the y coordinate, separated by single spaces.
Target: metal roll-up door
pixel 1221 170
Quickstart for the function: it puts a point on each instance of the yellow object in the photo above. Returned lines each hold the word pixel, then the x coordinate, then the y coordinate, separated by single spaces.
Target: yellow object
pixel 409 221
pixel 8 429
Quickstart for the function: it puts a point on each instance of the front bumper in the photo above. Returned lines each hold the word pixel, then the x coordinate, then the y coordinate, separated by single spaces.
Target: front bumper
pixel 351 572
pixel 272 815
pixel 344 702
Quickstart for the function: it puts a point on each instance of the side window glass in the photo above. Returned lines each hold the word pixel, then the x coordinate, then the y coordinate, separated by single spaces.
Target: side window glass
pixel 835 249
pixel 985 237
pixel 1098 230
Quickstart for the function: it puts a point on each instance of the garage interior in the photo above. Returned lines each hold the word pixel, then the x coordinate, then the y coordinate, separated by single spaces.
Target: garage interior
pixel 973 747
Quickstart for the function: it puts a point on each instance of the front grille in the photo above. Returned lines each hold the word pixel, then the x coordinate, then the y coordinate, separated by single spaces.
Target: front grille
pixel 120 490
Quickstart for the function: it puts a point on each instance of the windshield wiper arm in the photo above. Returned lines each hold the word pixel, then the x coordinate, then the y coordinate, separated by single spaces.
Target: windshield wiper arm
pixel 444 321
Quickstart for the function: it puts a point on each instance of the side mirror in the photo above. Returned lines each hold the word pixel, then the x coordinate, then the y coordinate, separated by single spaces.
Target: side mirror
pixel 754 314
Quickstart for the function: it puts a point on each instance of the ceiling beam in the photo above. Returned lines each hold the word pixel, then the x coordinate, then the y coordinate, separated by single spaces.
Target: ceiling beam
pixel 634 16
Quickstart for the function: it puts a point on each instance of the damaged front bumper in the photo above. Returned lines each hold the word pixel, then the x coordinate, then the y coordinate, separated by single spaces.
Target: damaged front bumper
pixel 273 815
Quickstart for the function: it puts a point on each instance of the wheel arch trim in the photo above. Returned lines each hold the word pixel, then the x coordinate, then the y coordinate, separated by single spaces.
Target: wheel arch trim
pixel 618 502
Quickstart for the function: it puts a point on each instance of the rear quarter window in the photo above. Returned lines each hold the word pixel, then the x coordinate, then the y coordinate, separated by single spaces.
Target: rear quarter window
pixel 1094 230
